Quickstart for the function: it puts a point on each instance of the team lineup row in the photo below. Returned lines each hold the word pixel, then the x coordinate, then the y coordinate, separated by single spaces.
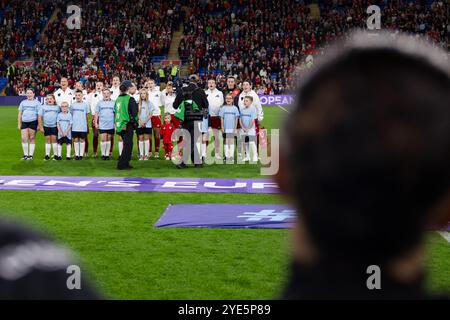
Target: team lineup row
pixel 64 119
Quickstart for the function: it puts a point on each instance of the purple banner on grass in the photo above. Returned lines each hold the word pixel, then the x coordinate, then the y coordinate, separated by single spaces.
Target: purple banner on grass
pixel 131 184
pixel 227 216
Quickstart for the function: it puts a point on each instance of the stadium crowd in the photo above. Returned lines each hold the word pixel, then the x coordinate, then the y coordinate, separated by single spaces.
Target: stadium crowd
pixel 116 38
pixel 265 40
pixel 20 25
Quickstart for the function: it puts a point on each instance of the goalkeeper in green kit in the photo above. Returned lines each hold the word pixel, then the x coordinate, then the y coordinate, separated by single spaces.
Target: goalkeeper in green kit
pixel 126 115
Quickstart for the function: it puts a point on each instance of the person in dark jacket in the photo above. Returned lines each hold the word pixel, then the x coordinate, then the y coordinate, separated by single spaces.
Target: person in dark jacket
pixel 126 113
pixel 365 163
pixel 192 126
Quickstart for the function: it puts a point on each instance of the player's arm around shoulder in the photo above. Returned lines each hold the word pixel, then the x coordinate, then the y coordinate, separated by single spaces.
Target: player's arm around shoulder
pixel 41 120
pixel 221 97
pixel 258 106
pixel 96 115
pixel 87 111
pixel 69 127
pixel 58 126
pixel 19 116
pixel 236 118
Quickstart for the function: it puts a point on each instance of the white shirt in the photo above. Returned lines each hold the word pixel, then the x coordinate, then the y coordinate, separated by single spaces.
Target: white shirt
pixel 155 98
pixel 168 100
pixel 93 98
pixel 256 103
pixel 61 96
pixel 115 93
pixel 215 101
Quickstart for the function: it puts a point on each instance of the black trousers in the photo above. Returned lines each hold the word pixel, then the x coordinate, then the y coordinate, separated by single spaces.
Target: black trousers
pixel 194 131
pixel 127 137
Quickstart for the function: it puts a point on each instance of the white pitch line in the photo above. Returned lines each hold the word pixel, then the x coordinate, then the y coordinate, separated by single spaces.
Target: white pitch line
pixel 284 109
pixel 445 235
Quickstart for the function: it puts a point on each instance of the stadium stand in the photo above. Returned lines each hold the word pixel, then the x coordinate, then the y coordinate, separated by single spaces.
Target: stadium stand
pixel 20 25
pixel 101 48
pixel 264 40
pixel 256 41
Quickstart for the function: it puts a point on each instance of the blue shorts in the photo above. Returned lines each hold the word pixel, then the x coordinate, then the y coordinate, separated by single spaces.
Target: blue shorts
pixel 204 126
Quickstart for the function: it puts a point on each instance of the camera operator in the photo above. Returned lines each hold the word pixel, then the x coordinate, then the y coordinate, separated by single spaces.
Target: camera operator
pixel 126 112
pixel 195 104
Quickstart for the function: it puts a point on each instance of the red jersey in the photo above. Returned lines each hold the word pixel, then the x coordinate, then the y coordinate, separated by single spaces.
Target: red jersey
pixel 166 131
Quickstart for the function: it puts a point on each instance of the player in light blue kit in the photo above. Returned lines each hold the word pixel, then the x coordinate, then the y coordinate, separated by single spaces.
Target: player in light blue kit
pixel 80 111
pixel 27 123
pixel 248 129
pixel 229 115
pixel 64 123
pixel 104 122
pixel 47 125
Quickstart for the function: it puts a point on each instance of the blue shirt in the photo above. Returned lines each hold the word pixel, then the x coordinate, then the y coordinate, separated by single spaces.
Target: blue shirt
pixel 229 115
pixel 79 111
pixel 49 114
pixel 247 115
pixel 146 110
pixel 64 120
pixel 105 111
pixel 29 109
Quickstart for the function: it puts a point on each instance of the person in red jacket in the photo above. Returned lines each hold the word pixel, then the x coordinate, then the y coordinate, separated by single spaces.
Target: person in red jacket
pixel 166 134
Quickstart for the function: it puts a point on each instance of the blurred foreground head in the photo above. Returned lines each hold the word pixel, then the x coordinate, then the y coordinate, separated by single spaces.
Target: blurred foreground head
pixel 33 267
pixel 367 154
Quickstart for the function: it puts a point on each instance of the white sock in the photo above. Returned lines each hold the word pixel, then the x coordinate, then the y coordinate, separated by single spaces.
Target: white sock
pixel 247 150
pixel 240 147
pixel 141 148
pixel 55 148
pixel 59 150
pixel 32 146
pixel 147 147
pixel 107 148
pixel 198 146
pixel 48 147
pixel 69 150
pixel 227 151
pixel 25 149
pixel 77 148
pixel 82 148
pixel 204 149
pixel 231 150
pixel 120 147
pixel 103 148
pixel 254 151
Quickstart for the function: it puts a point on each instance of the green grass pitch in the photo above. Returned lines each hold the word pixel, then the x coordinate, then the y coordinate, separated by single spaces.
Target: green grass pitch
pixel 128 259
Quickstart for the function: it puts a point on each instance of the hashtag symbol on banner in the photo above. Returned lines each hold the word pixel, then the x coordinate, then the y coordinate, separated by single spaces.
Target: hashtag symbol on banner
pixel 271 215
